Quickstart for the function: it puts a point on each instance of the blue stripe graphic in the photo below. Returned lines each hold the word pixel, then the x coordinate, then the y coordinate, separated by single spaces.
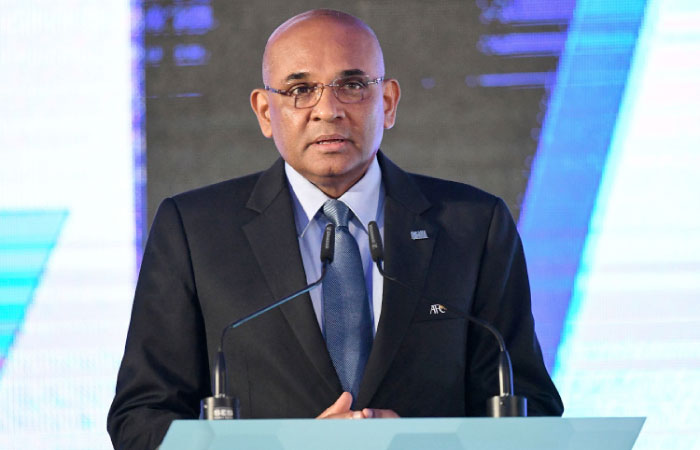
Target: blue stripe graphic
pixel 26 241
pixel 572 152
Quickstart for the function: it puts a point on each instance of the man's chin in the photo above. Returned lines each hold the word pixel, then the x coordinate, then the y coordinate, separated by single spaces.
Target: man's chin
pixel 334 181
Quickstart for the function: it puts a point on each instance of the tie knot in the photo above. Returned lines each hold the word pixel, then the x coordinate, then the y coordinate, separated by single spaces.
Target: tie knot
pixel 337 212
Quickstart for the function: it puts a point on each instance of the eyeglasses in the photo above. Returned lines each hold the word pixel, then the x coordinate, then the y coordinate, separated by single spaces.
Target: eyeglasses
pixel 346 90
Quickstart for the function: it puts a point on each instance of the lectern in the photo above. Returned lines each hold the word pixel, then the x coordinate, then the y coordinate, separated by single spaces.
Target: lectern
pixel 526 433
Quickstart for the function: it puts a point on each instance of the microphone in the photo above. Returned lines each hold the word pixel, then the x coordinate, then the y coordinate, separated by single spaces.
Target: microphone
pixel 221 406
pixel 506 404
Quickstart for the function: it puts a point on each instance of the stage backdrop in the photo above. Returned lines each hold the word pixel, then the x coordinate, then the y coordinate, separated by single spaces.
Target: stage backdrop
pixel 204 59
pixel 580 114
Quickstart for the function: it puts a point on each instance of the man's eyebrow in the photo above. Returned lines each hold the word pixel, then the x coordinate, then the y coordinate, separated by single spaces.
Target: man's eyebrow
pixel 305 75
pixel 296 76
pixel 352 73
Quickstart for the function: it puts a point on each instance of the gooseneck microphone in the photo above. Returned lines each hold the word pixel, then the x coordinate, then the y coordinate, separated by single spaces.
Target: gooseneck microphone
pixel 220 405
pixel 506 404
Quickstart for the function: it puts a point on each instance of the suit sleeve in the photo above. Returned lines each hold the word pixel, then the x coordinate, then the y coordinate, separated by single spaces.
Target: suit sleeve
pixel 164 372
pixel 502 297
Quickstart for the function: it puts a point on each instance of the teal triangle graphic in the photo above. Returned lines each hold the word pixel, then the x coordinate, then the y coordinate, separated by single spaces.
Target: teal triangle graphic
pixel 26 241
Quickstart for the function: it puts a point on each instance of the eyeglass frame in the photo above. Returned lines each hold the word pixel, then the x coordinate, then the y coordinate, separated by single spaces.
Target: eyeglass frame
pixel 333 85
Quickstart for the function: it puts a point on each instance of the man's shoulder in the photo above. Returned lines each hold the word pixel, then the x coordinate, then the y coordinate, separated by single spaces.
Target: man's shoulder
pixel 217 206
pixel 451 190
pixel 249 191
pixel 232 191
pixel 424 190
pixel 450 194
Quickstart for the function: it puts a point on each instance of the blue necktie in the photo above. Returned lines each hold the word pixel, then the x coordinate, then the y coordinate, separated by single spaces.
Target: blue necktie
pixel 346 316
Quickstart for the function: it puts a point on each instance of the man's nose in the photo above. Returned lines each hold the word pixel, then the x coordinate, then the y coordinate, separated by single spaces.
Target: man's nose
pixel 328 107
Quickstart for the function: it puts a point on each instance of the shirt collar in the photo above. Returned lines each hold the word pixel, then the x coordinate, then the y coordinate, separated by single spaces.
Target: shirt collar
pixel 362 198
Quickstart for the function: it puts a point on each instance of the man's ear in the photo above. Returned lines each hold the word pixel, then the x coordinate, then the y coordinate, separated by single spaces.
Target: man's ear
pixel 261 107
pixel 392 95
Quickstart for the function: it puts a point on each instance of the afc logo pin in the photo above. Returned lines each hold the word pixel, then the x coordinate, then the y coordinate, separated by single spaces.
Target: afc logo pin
pixel 437 309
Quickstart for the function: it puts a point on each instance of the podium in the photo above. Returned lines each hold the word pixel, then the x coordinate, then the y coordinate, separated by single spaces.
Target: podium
pixel 535 433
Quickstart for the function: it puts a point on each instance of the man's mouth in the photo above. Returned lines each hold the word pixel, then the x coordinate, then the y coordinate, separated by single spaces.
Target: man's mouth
pixel 330 139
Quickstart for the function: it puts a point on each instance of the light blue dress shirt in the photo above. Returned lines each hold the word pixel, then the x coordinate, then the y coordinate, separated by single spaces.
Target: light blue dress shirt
pixel 366 200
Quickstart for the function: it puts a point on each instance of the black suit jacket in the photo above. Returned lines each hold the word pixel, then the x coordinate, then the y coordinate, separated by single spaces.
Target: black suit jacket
pixel 218 253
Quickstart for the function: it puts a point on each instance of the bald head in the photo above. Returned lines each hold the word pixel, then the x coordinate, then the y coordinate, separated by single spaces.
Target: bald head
pixel 318 24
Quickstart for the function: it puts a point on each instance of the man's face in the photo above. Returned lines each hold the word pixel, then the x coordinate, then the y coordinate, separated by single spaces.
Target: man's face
pixel 332 143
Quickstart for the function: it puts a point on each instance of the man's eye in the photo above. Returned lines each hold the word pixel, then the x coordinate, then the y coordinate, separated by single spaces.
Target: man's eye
pixel 352 85
pixel 301 90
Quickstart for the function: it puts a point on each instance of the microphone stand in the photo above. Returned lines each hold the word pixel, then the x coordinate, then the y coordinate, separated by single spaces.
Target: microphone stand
pixel 221 406
pixel 506 404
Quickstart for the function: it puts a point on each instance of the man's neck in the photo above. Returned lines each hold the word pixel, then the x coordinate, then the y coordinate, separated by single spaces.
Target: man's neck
pixel 335 190
pixel 363 197
pixel 336 186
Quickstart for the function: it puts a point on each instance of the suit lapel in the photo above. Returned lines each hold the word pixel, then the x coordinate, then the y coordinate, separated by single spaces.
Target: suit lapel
pixel 407 260
pixel 272 236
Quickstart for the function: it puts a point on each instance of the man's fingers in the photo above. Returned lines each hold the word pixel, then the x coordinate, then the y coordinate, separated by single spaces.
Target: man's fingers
pixel 339 408
pixel 371 413
pixel 343 403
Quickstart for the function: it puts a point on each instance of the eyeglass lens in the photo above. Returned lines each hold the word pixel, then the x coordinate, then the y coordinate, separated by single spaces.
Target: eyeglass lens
pixel 350 90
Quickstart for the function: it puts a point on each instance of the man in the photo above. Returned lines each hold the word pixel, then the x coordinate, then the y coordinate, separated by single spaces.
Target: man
pixel 224 251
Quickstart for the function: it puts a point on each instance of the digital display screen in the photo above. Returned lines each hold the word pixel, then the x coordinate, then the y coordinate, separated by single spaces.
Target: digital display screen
pixel 67 218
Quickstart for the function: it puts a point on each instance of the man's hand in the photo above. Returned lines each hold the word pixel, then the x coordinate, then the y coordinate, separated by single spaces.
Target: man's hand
pixel 341 410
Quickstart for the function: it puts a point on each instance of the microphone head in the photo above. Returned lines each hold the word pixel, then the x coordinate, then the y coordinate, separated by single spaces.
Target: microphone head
pixel 328 244
pixel 375 242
